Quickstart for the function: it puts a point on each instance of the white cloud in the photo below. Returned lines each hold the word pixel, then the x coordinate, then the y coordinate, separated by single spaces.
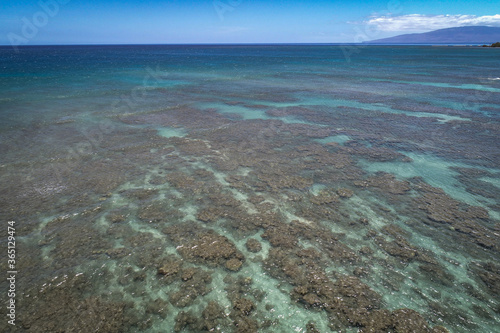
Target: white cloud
pixel 421 23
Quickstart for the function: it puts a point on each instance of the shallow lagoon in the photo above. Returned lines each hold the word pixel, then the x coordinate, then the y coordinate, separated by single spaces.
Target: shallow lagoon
pixel 252 188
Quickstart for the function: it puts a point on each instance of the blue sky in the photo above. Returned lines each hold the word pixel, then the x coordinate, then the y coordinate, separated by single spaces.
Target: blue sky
pixel 231 21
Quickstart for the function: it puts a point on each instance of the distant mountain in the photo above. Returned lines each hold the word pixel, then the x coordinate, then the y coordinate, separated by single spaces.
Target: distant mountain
pixel 461 35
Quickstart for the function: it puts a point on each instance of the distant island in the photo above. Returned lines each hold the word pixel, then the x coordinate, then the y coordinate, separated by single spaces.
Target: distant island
pixel 497 44
pixel 471 35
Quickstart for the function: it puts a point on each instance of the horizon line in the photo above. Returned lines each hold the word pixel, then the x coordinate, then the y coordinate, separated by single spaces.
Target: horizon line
pixel 365 43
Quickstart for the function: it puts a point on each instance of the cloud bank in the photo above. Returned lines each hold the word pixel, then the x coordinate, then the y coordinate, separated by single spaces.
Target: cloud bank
pixel 422 23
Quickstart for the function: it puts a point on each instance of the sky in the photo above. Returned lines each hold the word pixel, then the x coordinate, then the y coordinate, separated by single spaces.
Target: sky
pixel 35 22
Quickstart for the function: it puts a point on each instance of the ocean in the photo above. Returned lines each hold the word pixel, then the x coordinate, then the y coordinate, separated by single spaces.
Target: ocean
pixel 250 188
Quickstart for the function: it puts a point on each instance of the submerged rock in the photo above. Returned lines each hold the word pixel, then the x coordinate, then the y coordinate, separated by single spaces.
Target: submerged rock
pixel 325 197
pixel 280 236
pixel 204 246
pixel 210 249
pixel 140 193
pixel 409 321
pixel 212 315
pixel 385 182
pixel 234 264
pixel 117 216
pixel 158 307
pixel 170 269
pixel 467 221
pixel 60 306
pixel 195 283
pixel 210 214
pixel 311 328
pixel 244 306
pixel 253 245
pixel 345 192
pixel 185 320
pixel 153 212
pixel 489 274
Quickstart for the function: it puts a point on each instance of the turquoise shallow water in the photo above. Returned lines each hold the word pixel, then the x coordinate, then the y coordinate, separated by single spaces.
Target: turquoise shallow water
pixel 252 188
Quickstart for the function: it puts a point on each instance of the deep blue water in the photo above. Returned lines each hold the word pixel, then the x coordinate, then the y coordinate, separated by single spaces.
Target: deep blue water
pixel 367 175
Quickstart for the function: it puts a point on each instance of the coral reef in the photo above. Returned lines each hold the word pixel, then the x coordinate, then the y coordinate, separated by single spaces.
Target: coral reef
pixel 201 245
pixel 253 245
pixel 177 214
pixel 59 306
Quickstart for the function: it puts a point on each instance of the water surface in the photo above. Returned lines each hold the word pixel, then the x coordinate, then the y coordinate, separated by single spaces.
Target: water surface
pixel 276 188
